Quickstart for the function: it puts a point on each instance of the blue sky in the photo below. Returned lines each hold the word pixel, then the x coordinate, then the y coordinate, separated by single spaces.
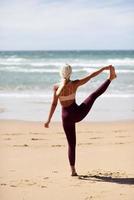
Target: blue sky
pixel 64 25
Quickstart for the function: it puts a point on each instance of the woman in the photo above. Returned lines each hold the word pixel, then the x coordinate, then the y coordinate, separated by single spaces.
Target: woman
pixel 71 112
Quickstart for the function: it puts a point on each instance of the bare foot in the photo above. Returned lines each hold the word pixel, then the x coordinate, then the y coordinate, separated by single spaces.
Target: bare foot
pixel 112 73
pixel 74 174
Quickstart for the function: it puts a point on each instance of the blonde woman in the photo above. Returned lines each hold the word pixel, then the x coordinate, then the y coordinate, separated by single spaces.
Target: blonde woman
pixel 71 112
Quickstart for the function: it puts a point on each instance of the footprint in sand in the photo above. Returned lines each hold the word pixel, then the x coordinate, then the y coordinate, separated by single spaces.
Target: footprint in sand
pixel 119 131
pixel 35 139
pixel 7 138
pixel 57 145
pixel 94 138
pixel 13 134
pixel 43 186
pixel 122 136
pixel 12 170
pixel 21 145
pixel 55 172
pixel 46 178
pixel 3 184
pixel 36 133
pixel 119 143
pixel 13 185
pixel 84 144
pixel 88 198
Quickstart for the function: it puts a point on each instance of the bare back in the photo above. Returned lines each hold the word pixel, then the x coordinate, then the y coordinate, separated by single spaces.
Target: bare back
pixel 67 96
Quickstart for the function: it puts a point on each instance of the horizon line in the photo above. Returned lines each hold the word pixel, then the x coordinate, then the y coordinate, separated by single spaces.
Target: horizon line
pixel 68 50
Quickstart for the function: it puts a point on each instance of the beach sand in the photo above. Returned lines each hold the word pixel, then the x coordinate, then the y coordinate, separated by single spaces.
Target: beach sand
pixel 34 163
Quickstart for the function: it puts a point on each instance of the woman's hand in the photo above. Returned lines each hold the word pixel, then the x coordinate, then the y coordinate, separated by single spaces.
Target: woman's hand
pixel 46 124
pixel 107 67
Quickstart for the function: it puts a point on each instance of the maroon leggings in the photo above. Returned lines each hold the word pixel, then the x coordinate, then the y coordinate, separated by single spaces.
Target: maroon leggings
pixel 75 113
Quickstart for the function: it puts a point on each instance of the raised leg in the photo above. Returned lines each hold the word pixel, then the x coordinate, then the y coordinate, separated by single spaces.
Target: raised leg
pixel 85 107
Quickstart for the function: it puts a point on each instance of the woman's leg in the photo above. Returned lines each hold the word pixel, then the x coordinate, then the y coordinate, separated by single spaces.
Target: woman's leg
pixel 85 107
pixel 69 129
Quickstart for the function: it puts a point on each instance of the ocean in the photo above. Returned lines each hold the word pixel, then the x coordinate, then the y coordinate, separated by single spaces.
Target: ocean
pixel 27 79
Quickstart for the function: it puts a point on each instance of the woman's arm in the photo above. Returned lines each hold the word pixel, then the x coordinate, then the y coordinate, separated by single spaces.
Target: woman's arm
pixel 52 109
pixel 96 73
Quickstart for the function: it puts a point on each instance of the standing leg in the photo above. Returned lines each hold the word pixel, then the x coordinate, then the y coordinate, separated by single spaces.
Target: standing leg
pixel 69 129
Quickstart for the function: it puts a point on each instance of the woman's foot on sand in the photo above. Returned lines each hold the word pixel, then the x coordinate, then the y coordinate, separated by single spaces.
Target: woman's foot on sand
pixel 74 174
pixel 112 73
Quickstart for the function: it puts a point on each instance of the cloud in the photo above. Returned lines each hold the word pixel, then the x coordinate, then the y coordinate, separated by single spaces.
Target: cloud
pixel 72 24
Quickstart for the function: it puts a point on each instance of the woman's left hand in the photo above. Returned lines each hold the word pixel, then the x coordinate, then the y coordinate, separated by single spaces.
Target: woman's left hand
pixel 46 124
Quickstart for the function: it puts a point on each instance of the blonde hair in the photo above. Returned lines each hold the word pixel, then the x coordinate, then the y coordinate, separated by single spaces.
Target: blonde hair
pixel 66 71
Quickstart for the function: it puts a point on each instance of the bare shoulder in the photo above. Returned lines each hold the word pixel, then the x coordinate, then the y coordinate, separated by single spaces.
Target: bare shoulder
pixel 75 82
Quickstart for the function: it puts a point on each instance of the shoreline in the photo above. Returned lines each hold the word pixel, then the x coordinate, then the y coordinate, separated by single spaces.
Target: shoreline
pixel 57 122
pixel 104 109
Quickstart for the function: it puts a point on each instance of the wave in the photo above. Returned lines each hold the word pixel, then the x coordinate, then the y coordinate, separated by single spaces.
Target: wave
pixel 34 70
pixel 122 62
pixel 56 70
pixel 25 70
pixel 12 61
pixel 117 70
pixel 60 62
pixel 25 95
pixel 118 95
pixel 48 95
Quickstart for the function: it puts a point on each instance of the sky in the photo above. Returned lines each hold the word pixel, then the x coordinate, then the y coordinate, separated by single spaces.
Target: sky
pixel 66 24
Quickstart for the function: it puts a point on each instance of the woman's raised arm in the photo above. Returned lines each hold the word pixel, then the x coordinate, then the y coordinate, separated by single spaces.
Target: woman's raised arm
pixel 96 73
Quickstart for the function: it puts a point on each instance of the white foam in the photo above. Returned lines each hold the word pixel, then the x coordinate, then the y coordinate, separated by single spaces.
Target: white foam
pixel 26 95
pixel 117 70
pixel 35 70
pixel 48 95
pixel 56 70
pixel 15 59
pixel 118 95
pixel 28 70
pixel 74 62
pixel 124 71
pixel 122 62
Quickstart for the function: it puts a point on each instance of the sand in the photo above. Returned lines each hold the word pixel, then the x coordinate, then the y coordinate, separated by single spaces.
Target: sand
pixel 34 163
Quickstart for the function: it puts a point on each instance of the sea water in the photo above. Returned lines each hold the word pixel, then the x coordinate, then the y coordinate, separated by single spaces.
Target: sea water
pixel 27 79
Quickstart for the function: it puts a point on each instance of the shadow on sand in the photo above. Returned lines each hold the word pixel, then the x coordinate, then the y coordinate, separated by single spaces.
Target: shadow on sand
pixel 103 178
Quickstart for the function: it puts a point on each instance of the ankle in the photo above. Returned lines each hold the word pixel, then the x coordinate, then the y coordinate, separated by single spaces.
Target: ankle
pixel 110 78
pixel 73 170
pixel 74 174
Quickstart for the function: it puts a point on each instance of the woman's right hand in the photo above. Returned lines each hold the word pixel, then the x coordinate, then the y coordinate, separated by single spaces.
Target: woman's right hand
pixel 108 67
